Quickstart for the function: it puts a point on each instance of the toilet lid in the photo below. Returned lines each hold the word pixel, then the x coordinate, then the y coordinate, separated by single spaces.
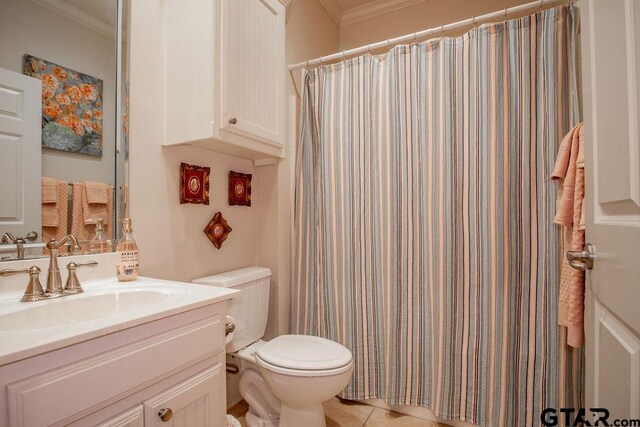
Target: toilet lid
pixel 304 352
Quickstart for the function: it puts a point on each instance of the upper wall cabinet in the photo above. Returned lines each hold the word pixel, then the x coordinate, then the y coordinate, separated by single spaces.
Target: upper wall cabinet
pixel 225 74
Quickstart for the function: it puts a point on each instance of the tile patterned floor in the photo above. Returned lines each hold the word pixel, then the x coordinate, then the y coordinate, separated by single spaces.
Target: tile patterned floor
pixel 347 413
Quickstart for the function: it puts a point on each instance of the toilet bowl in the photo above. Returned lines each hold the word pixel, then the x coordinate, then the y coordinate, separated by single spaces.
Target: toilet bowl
pixel 304 371
pixel 285 380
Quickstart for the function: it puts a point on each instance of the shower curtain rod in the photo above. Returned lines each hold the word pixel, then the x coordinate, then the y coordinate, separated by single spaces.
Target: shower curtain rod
pixel 475 21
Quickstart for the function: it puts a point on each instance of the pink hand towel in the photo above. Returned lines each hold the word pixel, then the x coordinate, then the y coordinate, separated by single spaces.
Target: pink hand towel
pixel 84 214
pixel 49 190
pixel 54 215
pixel 569 172
pixel 50 201
pixel 96 192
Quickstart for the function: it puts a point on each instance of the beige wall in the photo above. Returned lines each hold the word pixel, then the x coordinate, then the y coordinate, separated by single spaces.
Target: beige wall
pixel 170 235
pixel 26 27
pixel 421 16
pixel 172 244
pixel 310 32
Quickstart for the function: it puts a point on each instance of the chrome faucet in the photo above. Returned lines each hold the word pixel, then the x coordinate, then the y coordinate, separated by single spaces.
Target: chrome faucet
pixel 7 238
pixel 54 279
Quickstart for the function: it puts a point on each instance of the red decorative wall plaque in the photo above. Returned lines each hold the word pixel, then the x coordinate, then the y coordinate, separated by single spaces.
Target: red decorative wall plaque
pixel 239 189
pixel 217 230
pixel 194 184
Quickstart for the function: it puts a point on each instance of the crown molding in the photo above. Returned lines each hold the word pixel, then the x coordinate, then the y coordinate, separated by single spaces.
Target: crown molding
pixel 334 10
pixel 369 10
pixel 79 16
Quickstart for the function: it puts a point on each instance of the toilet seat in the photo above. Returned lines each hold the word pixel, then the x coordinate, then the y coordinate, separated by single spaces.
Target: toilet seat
pixel 303 372
pixel 304 355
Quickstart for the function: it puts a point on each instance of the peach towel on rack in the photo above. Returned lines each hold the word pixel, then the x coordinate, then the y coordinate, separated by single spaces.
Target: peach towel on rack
pixel 50 216
pixel 54 208
pixel 569 172
pixel 97 193
pixel 85 213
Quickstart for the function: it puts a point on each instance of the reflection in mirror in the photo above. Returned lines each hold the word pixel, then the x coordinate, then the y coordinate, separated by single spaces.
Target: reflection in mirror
pixel 60 146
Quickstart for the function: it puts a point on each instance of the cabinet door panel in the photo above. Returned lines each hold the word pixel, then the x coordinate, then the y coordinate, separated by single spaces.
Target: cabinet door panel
pixel 198 401
pixel 132 418
pixel 189 70
pixel 253 69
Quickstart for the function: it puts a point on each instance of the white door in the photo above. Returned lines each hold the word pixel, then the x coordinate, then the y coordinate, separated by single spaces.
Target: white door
pixel 20 153
pixel 253 69
pixel 196 402
pixel 611 79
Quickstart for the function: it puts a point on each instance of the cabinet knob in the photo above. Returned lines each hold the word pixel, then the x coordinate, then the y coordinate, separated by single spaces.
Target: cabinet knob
pixel 165 414
pixel 233 120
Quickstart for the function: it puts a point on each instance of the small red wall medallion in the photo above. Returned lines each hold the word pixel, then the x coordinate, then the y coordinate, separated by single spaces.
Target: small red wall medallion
pixel 217 230
pixel 194 184
pixel 239 189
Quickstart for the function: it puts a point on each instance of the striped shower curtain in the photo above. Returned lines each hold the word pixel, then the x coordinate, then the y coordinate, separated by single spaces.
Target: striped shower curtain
pixel 423 235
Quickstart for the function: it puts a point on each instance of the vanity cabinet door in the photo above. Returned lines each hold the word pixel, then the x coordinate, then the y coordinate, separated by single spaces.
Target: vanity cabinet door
pixel 198 401
pixel 131 418
pixel 253 69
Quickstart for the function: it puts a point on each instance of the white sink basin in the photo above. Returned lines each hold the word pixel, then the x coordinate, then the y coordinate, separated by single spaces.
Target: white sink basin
pixel 83 308
pixel 107 306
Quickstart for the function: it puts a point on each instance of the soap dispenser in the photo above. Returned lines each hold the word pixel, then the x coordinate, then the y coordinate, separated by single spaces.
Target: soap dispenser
pixel 99 243
pixel 127 251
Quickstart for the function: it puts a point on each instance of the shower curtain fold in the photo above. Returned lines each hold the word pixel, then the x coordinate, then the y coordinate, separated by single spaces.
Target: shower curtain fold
pixel 423 235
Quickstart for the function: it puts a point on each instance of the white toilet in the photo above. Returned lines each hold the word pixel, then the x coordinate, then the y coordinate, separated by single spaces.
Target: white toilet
pixel 284 380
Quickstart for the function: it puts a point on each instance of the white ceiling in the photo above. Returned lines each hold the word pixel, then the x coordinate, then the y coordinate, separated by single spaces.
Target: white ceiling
pixel 104 10
pixel 346 12
pixel 98 15
pixel 350 4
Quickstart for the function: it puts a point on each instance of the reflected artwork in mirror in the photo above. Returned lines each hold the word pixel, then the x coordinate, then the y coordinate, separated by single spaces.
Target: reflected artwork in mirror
pixel 63 151
pixel 71 107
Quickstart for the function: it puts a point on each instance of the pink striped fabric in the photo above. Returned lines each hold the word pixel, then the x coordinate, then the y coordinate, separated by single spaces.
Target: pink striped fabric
pixel 424 237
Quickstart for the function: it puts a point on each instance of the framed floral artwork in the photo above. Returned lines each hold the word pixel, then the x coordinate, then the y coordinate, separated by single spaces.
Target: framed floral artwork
pixel 71 107
pixel 239 189
pixel 194 184
pixel 217 230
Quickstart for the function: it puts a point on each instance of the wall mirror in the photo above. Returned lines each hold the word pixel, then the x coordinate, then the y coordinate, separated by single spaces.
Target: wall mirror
pixel 63 123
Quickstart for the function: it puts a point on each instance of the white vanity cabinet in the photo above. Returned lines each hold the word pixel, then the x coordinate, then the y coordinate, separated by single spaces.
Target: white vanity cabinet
pixel 224 76
pixel 171 368
pixel 194 402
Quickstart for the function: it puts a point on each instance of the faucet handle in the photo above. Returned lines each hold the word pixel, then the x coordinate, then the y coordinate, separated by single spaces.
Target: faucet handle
pixel 9 239
pixel 34 291
pixel 73 284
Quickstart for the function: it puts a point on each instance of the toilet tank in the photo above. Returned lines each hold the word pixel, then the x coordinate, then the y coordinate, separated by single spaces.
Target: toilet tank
pixel 250 308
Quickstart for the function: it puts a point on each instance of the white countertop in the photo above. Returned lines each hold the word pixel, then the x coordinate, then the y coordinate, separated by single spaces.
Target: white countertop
pixel 106 306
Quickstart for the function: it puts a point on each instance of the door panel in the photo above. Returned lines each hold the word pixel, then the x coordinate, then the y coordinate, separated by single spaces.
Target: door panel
pixel 189 70
pixel 619 383
pixel 198 401
pixel 253 69
pixel 20 153
pixel 610 66
pixel 131 418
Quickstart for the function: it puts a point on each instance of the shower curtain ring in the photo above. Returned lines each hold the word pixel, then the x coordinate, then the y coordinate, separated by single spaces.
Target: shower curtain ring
pixel 442 31
pixel 321 62
pixel 343 56
pixel 414 36
pixel 505 14
pixel 389 43
pixel 474 22
pixel 540 9
pixel 369 49
pixel 307 66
